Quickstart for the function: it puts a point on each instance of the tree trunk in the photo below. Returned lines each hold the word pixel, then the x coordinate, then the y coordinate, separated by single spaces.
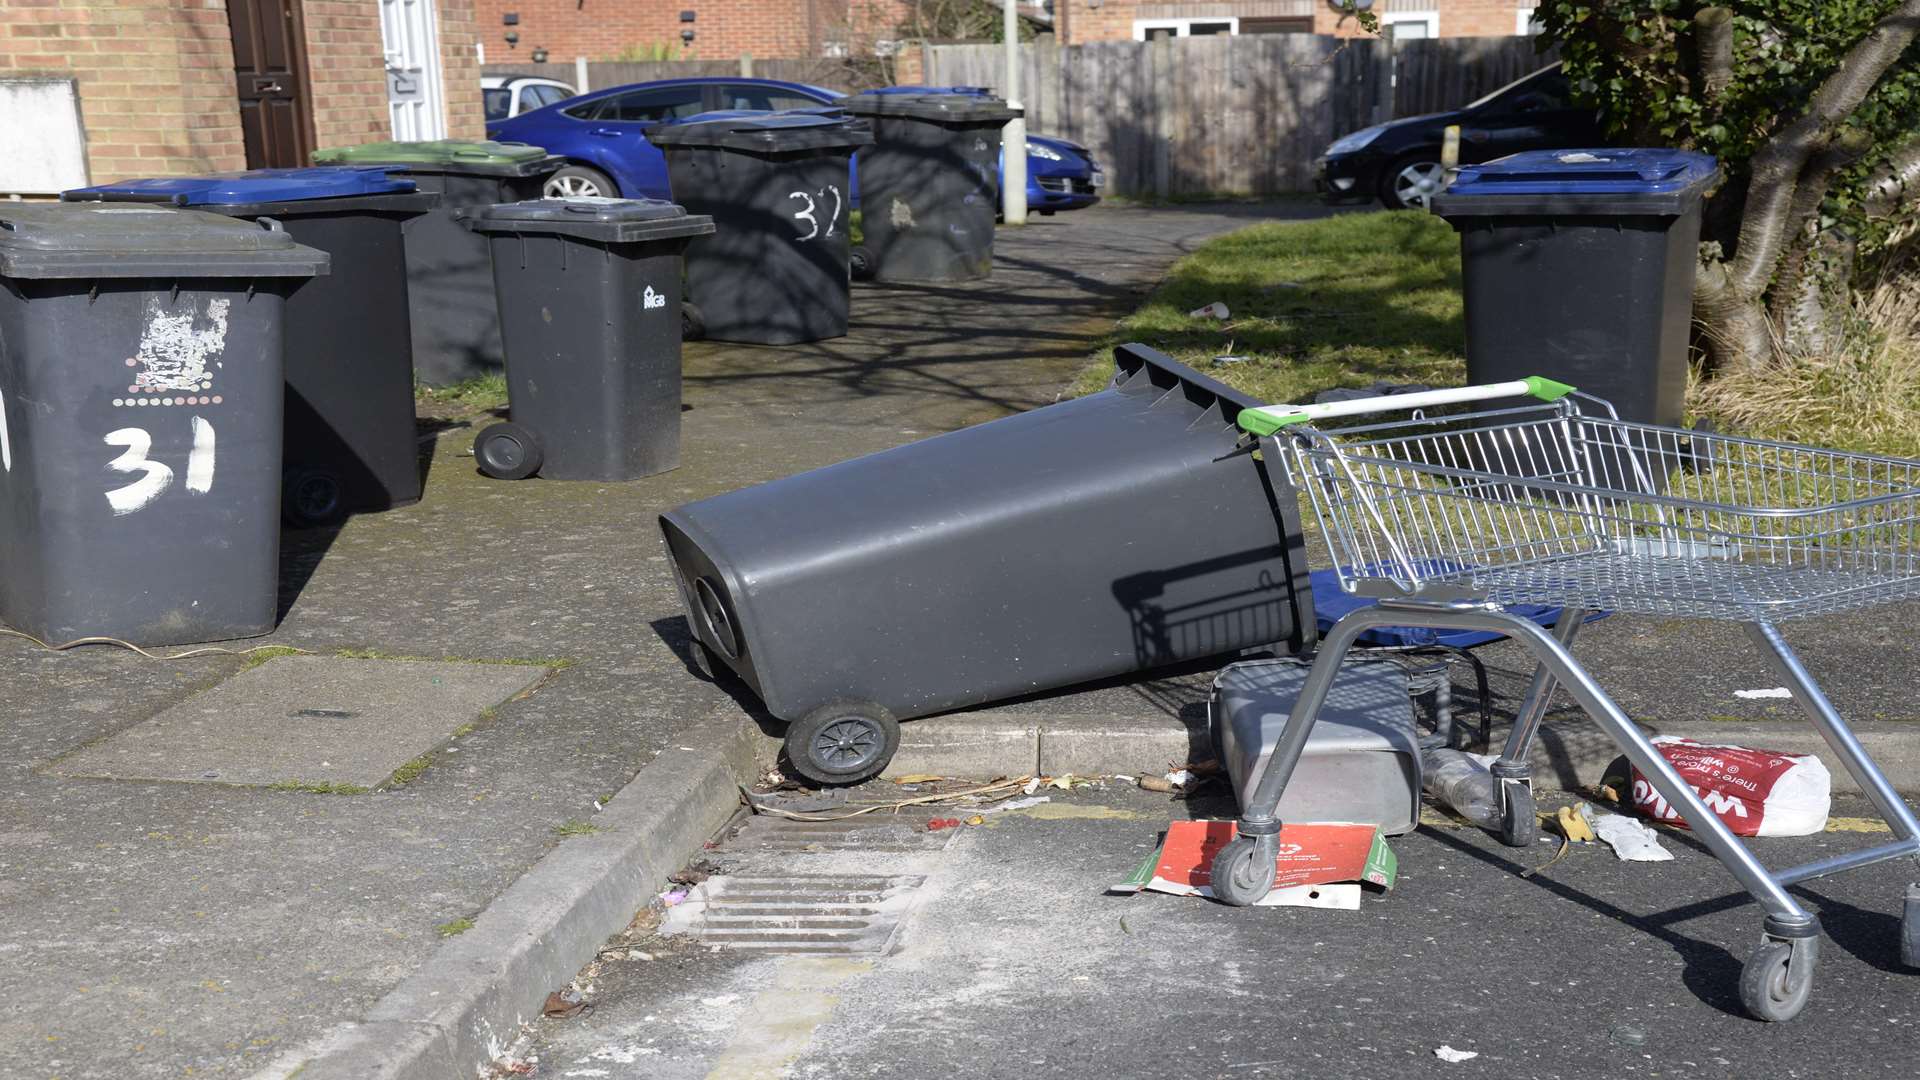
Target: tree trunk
pixel 1735 330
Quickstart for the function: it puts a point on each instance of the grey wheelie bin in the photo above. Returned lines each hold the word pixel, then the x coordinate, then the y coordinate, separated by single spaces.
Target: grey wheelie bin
pixel 776 186
pixel 590 312
pixel 929 186
pixel 1578 265
pixel 1115 533
pixel 140 395
pixel 456 332
pixel 349 434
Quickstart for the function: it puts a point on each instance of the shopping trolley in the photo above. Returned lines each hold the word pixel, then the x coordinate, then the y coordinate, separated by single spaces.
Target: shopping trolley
pixel 1447 519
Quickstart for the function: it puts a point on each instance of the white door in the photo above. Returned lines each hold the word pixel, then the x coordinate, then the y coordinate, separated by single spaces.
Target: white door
pixel 415 96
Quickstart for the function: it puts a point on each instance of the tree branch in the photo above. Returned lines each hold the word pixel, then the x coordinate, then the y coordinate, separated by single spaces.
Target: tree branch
pixel 1896 183
pixel 1777 167
pixel 1713 44
pixel 1803 227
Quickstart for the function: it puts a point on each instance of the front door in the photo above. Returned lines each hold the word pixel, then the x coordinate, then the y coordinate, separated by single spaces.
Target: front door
pixel 410 35
pixel 270 66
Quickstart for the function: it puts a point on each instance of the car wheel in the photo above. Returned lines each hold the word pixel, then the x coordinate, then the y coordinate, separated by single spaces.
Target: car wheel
pixel 576 180
pixel 1412 181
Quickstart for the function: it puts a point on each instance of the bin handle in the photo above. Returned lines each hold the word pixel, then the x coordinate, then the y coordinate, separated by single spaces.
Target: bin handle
pixel 1271 418
pixel 270 224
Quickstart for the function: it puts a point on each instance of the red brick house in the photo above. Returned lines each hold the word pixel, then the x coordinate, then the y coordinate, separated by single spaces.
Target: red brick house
pixel 1078 21
pixel 169 87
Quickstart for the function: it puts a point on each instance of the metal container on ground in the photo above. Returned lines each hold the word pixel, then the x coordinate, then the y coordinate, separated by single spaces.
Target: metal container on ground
pixel 1110 534
pixel 777 186
pixel 350 443
pixel 590 312
pixel 1362 759
pixel 140 403
pixel 456 332
pixel 929 186
pixel 1578 265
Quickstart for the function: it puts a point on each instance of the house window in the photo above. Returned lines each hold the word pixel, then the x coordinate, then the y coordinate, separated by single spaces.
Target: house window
pixel 1526 22
pixel 1408 25
pixel 1155 29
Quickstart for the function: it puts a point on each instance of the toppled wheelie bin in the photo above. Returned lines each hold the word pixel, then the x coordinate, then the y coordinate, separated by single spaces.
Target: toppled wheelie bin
pixel 1123 531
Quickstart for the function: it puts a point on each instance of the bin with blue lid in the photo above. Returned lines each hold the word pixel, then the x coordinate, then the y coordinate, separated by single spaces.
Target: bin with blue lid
pixel 140 397
pixel 777 185
pixel 349 433
pixel 590 313
pixel 456 331
pixel 929 187
pixel 1578 265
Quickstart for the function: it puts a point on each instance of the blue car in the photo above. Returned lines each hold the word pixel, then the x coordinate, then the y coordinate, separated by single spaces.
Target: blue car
pixel 603 137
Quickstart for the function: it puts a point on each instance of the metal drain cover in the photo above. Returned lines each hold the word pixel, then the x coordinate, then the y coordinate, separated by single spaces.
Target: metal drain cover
pixel 813 887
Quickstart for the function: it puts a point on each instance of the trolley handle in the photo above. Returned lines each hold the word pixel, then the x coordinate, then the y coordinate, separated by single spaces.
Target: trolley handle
pixel 1271 418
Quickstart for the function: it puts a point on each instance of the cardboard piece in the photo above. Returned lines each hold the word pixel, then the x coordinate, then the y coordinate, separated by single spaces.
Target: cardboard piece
pixel 1321 864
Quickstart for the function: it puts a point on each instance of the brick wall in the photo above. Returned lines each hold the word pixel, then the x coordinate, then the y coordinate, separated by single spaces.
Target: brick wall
pixel 155 79
pixel 460 68
pixel 1079 21
pixel 346 73
pixel 723 29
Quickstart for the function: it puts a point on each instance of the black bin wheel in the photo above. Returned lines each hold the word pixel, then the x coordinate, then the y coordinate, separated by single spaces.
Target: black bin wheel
pixel 507 451
pixel 1778 978
pixel 693 325
pixel 1519 822
pixel 842 743
pixel 859 262
pixel 310 498
pixel 1244 870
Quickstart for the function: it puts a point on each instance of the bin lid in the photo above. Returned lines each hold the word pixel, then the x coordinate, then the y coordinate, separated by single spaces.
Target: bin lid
pixel 948 105
pixel 254 186
pixel 446 156
pixel 1597 181
pixel 616 221
pixel 121 240
pixel 765 130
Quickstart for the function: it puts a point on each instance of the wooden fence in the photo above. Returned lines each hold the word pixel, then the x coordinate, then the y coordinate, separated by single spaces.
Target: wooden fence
pixel 1187 116
pixel 1220 114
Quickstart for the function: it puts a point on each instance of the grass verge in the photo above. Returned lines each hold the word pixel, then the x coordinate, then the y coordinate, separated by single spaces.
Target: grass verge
pixel 1343 301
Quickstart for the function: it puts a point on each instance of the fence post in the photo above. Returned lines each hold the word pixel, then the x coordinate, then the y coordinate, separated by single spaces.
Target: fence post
pixel 1160 85
pixel 746 65
pixel 580 75
pixel 1383 98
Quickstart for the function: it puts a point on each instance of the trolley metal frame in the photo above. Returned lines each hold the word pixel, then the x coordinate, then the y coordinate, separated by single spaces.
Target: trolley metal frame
pixel 1444 519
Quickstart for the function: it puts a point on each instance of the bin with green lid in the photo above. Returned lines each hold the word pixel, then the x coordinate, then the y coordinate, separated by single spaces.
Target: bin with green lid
pixel 349 439
pixel 140 420
pixel 456 331
pixel 590 311
pixel 929 186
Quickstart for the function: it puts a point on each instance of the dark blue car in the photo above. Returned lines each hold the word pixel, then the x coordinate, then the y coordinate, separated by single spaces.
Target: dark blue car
pixel 603 137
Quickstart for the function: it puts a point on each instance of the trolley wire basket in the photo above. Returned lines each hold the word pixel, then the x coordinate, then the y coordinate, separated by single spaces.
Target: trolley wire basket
pixel 1555 504
pixel 1450 520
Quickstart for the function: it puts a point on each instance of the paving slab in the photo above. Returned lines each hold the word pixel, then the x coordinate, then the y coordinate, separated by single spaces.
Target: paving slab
pixel 307 721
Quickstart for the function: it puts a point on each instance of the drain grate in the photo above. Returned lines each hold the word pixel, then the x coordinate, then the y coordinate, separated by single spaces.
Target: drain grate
pixel 797 913
pixel 870 833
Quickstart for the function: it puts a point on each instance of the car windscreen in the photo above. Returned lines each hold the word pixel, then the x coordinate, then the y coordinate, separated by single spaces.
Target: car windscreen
pixel 498 103
pixel 1545 76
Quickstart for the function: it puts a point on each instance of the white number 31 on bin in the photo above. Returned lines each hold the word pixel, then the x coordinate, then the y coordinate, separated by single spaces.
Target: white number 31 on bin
pixel 155 477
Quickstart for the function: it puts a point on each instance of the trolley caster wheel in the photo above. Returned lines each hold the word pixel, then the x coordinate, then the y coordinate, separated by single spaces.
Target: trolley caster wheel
pixel 310 498
pixel 693 325
pixel 1244 870
pixel 1910 929
pixel 859 262
pixel 842 743
pixel 1778 978
pixel 1519 822
pixel 507 451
